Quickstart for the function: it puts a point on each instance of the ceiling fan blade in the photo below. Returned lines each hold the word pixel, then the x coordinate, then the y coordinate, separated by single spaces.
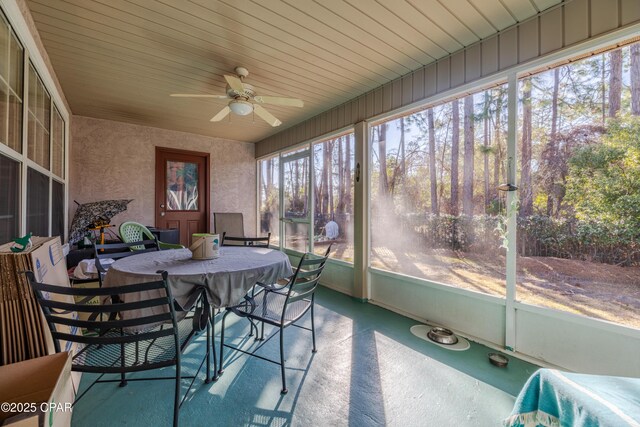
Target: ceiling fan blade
pixel 235 83
pixel 277 100
pixel 196 95
pixel 266 116
pixel 221 114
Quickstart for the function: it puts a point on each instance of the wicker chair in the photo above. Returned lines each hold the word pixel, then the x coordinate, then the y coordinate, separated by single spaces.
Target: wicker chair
pixel 131 231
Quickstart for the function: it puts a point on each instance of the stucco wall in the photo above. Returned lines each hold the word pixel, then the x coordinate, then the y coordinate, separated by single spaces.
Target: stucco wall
pixel 115 160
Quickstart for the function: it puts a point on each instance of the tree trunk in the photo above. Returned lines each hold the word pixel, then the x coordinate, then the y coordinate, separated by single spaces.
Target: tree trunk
pixel 331 194
pixel 432 163
pixel 304 185
pixel 403 163
pixel 382 154
pixel 347 174
pixel 497 162
pixel 325 179
pixel 340 176
pixel 455 153
pixel 635 79
pixel 469 148
pixel 485 153
pixel 269 167
pixel 552 139
pixel 525 181
pixel 615 82
pixel 296 186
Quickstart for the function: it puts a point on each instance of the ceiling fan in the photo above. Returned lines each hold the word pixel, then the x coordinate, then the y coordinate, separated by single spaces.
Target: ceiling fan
pixel 244 99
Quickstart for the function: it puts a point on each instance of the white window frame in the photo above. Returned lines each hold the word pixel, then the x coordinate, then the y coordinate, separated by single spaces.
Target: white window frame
pixel 32 55
pixel 510 77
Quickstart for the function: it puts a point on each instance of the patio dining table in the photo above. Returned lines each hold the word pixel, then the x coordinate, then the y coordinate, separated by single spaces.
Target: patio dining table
pixel 226 279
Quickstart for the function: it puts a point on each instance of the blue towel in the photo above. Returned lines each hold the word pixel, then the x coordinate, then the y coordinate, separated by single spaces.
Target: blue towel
pixel 554 398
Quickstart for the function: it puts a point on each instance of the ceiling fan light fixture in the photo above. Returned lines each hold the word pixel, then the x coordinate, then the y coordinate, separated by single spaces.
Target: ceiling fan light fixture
pixel 241 108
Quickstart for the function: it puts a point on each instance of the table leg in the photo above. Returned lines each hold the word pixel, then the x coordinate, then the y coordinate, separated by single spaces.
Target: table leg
pixel 213 343
pixel 208 378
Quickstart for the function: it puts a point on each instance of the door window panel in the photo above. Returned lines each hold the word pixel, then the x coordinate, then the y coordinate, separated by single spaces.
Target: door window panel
pixel 296 203
pixel 182 186
pixel 296 183
pixel 297 236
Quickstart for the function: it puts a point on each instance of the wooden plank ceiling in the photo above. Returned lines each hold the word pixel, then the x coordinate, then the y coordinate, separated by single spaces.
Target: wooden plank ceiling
pixel 120 59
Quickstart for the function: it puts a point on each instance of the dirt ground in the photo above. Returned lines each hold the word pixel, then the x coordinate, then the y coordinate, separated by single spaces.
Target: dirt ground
pixel 601 291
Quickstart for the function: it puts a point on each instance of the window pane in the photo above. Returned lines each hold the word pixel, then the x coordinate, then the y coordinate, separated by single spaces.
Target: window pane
pixel 15 123
pixel 4 113
pixel 9 199
pixel 11 60
pixel 296 236
pixel 37 203
pixel 39 120
pixel 5 31
pixel 269 176
pixel 435 210
pixel 57 209
pixel 182 186
pixel 333 196
pixel 57 144
pixel 296 183
pixel 15 64
pixel 579 217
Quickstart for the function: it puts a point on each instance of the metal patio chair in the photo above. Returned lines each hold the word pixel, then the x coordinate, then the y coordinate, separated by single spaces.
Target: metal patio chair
pixel 115 251
pixel 255 242
pixel 281 307
pixel 117 346
pixel 231 223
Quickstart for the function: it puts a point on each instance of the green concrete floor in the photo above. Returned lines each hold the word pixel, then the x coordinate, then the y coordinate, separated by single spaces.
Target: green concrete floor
pixel 369 371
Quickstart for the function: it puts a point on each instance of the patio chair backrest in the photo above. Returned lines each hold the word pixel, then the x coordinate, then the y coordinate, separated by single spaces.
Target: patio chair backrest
pixel 304 282
pixel 131 231
pixel 116 251
pixel 255 242
pixel 231 223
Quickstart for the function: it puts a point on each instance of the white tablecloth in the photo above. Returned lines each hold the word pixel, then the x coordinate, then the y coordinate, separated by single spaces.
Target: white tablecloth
pixel 226 278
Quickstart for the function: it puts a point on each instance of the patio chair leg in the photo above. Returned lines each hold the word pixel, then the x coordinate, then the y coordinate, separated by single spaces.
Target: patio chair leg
pixel 262 333
pixel 123 380
pixel 220 370
pixel 176 402
pixel 313 330
pixel 284 383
